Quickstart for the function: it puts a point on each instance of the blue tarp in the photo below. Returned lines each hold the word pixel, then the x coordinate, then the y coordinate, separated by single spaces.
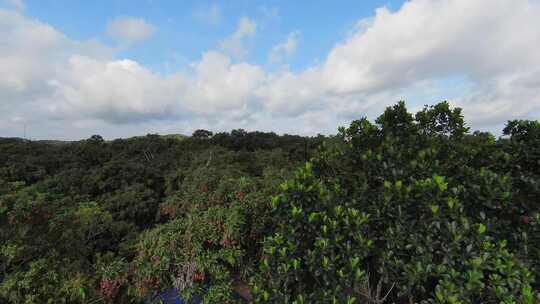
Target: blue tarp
pixel 173 297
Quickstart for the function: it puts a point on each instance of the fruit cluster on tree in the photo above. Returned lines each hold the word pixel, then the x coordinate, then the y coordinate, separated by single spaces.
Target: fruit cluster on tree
pixel 410 208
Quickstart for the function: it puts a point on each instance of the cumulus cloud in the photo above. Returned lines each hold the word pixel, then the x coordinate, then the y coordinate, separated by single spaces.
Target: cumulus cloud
pixel 218 86
pixel 52 77
pixel 490 42
pixel 426 39
pixel 284 49
pixel 32 53
pixel 130 29
pixel 393 55
pixel 118 91
pixel 235 45
pixel 504 97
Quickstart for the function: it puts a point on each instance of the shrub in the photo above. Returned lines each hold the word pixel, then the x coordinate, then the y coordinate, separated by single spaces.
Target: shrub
pixel 432 220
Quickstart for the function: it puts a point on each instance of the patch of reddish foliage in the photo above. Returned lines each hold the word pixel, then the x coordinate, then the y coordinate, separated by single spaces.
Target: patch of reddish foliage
pixel 199 277
pixel 109 287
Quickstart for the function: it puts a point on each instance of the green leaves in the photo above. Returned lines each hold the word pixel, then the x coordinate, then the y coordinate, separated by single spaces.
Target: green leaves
pixel 323 239
pixel 440 182
pixel 415 193
pixel 481 228
pixel 492 275
pixel 295 212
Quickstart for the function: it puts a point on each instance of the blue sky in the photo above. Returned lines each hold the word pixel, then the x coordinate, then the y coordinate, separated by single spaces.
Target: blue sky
pixel 182 34
pixel 121 68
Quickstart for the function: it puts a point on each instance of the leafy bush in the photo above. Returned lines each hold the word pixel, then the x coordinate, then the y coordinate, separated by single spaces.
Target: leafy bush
pixel 206 246
pixel 430 226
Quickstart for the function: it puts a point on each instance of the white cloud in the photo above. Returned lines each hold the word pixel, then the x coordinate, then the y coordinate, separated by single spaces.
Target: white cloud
pixel 235 44
pixel 49 76
pixel 130 29
pixel 219 86
pixel 210 14
pixel 57 82
pixel 437 39
pixel 284 49
pixel 117 91
pixel 32 52
pixel 427 39
pixel 504 97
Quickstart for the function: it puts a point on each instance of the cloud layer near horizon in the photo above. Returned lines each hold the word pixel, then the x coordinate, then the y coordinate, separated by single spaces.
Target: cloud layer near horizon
pixel 491 45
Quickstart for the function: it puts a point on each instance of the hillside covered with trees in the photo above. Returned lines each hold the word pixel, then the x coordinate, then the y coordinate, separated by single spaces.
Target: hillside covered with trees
pixel 410 208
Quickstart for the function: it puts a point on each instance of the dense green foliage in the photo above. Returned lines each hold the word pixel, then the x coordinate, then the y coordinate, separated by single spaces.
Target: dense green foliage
pixel 412 208
pixel 96 221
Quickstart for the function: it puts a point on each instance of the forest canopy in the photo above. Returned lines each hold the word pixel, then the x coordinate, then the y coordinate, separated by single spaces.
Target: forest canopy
pixel 409 208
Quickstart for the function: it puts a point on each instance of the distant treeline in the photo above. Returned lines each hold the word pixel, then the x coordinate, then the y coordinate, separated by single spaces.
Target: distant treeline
pixel 32 161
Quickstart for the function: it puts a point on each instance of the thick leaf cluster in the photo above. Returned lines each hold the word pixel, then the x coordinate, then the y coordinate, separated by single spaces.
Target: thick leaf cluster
pixel 442 216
